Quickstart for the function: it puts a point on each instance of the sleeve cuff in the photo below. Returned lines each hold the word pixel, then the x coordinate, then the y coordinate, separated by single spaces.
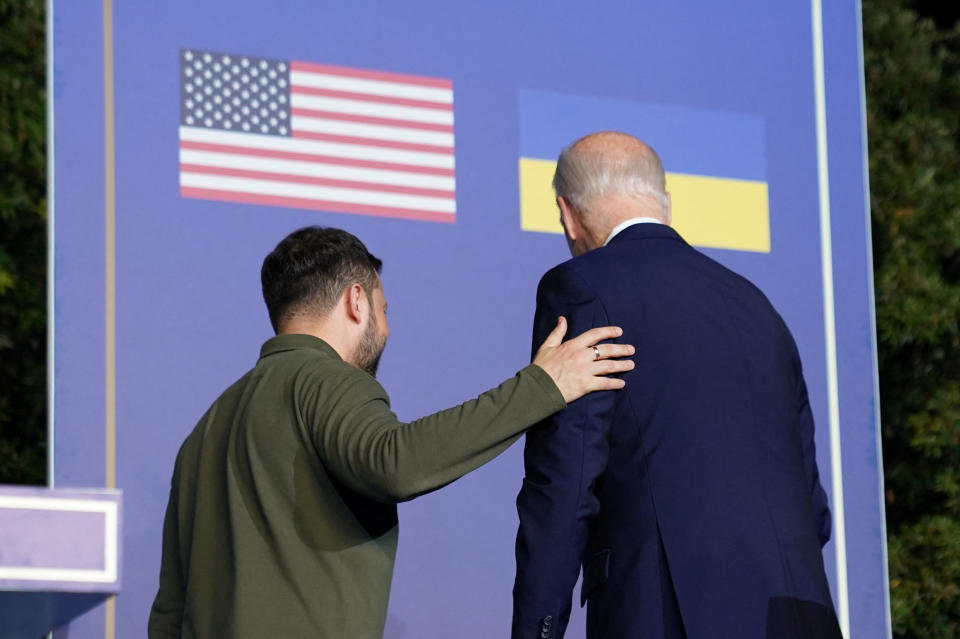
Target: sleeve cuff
pixel 551 394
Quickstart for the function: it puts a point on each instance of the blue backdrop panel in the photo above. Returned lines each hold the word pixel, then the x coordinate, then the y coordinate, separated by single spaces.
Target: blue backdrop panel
pixel 694 141
pixel 189 318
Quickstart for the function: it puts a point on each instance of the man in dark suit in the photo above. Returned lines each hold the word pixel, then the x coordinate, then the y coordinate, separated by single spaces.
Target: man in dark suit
pixel 692 498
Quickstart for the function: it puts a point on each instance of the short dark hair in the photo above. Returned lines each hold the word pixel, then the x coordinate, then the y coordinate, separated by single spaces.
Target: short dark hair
pixel 310 269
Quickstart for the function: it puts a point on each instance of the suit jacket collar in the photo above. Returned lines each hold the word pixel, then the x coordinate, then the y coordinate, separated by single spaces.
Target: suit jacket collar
pixel 646 232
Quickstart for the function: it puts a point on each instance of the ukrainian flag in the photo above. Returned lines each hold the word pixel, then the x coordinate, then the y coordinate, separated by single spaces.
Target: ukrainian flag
pixel 715 163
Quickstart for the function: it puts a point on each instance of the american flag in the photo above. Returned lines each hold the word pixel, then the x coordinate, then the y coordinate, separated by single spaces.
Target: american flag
pixel 316 136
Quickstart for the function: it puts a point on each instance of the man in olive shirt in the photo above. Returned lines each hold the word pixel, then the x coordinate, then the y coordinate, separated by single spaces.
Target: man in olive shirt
pixel 282 519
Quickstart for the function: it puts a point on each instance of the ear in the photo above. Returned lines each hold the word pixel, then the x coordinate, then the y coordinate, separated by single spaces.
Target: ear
pixel 571 225
pixel 668 211
pixel 356 303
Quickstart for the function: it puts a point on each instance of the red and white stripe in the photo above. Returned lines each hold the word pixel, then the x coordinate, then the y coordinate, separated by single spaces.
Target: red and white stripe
pixel 362 141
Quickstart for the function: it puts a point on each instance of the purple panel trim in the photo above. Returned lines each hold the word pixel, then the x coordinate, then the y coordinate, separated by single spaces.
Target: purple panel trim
pixel 52 538
pixel 59 540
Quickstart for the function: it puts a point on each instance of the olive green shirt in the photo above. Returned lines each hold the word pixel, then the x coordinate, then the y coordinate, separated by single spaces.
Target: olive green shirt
pixel 282 520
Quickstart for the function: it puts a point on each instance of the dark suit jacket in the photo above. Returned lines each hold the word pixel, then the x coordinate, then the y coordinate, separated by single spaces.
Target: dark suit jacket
pixel 691 499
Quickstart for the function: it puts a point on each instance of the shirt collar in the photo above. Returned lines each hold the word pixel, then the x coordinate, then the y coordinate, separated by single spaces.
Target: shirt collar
pixel 292 341
pixel 634 220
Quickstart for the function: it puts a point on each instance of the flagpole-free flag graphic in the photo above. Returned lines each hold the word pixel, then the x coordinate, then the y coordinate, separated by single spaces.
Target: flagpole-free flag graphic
pixel 715 163
pixel 314 136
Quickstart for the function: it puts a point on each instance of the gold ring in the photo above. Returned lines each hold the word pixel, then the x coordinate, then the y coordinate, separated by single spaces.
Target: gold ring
pixel 596 354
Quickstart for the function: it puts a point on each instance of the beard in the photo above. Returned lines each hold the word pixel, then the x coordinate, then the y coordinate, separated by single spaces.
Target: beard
pixel 370 348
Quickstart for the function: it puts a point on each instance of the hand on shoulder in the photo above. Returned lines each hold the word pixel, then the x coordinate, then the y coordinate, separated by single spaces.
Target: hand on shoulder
pixel 581 365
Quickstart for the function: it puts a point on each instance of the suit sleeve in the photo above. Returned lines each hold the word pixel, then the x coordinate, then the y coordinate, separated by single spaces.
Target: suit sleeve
pixel 564 459
pixel 166 615
pixel 363 444
pixel 818 497
pixel 805 431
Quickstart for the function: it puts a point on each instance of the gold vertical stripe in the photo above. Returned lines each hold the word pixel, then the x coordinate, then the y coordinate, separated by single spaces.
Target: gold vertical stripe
pixel 110 245
pixel 110 623
pixel 110 329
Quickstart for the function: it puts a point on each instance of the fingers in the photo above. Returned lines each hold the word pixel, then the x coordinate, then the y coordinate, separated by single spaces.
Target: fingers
pixel 594 335
pixel 605 383
pixel 613 350
pixel 613 366
pixel 555 338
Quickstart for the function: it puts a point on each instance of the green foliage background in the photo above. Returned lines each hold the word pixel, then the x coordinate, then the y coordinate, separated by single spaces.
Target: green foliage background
pixel 23 215
pixel 912 65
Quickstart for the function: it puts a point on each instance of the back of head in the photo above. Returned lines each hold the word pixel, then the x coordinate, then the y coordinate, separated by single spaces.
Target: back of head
pixel 310 269
pixel 611 176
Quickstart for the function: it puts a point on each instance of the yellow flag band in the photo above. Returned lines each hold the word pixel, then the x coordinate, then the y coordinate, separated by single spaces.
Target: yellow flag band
pixel 707 211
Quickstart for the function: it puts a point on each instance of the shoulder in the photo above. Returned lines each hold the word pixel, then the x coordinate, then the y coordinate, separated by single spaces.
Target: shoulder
pixel 752 300
pixel 568 281
pixel 219 411
pixel 723 278
pixel 338 380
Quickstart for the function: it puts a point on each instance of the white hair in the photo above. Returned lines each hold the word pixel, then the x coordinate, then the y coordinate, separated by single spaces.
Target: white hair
pixel 583 176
